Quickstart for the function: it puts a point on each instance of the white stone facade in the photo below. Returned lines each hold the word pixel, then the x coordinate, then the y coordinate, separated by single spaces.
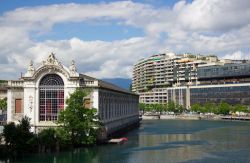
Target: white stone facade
pixel 30 97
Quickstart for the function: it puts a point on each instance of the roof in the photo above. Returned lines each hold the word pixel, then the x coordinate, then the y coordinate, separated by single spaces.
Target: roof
pixel 107 85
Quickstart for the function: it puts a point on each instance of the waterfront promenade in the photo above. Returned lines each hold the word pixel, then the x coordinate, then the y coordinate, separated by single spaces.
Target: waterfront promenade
pixel 194 117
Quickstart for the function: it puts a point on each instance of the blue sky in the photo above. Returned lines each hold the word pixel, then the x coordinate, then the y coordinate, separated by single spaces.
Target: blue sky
pixel 7 5
pixel 106 38
pixel 107 31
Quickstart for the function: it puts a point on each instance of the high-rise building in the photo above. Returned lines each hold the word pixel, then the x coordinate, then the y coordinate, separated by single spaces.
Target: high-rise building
pixel 186 79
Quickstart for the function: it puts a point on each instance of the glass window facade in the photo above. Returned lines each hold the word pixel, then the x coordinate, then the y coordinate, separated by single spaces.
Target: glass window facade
pixel 227 70
pixel 51 97
pixel 231 94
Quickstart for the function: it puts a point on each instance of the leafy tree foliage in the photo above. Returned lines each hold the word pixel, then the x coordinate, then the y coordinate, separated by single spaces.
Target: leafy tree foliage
pixel 224 108
pixel 158 107
pixel 209 107
pixel 221 108
pixel 196 107
pixel 47 140
pixel 142 107
pixel 78 123
pixel 171 106
pixel 3 104
pixel 18 137
pixel 179 109
pixel 240 108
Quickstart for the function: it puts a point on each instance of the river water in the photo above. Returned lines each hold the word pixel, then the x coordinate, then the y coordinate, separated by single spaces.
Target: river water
pixel 157 141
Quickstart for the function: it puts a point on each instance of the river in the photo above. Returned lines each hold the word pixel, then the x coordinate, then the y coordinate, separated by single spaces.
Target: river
pixel 157 141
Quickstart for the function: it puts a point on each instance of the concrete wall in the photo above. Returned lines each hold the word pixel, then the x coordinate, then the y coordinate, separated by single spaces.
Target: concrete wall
pixel 13 94
pixel 117 110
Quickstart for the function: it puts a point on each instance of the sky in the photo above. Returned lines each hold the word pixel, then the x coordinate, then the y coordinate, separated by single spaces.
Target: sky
pixel 105 38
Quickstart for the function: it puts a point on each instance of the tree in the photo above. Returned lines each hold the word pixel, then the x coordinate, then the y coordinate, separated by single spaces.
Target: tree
pixel 149 107
pixel 224 108
pixel 18 137
pixel 171 106
pixel 47 140
pixel 165 107
pixel 3 104
pixel 158 108
pixel 79 124
pixel 240 108
pixel 179 109
pixel 196 107
pixel 10 134
pixel 142 107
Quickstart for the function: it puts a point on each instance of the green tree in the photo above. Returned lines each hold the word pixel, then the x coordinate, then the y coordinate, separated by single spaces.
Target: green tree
pixel 179 108
pixel 149 108
pixel 10 134
pixel 47 139
pixel 171 106
pixel 196 107
pixel 224 108
pixel 142 107
pixel 239 108
pixel 214 108
pixel 3 104
pixel 165 107
pixel 79 124
pixel 158 108
pixel 18 137
pixel 51 139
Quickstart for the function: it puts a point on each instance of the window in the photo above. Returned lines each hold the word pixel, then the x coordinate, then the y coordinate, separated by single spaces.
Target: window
pixel 18 106
pixel 87 103
pixel 51 97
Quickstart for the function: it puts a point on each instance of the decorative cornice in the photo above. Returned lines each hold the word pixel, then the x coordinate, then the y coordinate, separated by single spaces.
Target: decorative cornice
pixel 51 65
pixel 51 60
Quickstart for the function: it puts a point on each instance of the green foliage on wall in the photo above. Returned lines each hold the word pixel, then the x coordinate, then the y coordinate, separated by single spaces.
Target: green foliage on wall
pixel 3 104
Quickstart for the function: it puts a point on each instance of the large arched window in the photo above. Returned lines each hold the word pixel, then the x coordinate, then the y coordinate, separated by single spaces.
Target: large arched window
pixel 51 97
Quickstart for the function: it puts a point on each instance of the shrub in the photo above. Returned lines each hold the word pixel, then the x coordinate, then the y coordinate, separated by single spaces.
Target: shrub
pixel 18 137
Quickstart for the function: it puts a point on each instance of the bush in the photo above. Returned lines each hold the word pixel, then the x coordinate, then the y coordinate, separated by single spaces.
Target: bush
pixel 18 137
pixel 47 140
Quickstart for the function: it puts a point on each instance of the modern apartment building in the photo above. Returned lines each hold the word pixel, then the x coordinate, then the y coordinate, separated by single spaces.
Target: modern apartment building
pixel 187 79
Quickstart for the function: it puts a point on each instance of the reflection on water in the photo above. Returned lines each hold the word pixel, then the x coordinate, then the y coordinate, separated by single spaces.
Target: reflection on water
pixel 168 141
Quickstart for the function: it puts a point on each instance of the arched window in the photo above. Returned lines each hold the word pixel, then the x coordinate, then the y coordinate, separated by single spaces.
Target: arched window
pixel 51 97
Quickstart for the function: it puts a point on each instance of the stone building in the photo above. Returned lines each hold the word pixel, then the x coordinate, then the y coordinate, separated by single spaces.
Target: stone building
pixel 3 90
pixel 41 93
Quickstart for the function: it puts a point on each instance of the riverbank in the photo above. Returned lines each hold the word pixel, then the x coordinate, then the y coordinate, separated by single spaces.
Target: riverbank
pixel 165 141
pixel 195 117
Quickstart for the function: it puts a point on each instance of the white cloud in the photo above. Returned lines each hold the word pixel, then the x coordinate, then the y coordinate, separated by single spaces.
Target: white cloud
pixel 203 26
pixel 237 55
pixel 215 14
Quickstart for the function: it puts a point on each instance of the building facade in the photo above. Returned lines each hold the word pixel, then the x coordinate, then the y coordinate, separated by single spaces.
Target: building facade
pixel 3 90
pixel 41 94
pixel 192 79
pixel 164 70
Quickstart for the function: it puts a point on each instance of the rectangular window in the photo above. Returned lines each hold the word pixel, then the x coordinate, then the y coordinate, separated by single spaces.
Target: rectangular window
pixel 87 103
pixel 18 105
